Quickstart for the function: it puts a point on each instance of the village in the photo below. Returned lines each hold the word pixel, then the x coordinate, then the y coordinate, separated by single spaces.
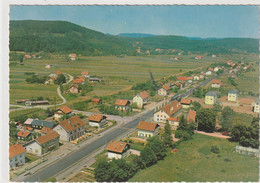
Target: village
pixel 66 127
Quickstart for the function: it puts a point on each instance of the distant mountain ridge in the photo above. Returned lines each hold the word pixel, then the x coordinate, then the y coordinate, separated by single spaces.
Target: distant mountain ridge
pixel 65 37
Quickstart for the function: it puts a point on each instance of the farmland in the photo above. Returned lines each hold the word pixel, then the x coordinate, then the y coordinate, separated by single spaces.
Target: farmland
pixel 195 162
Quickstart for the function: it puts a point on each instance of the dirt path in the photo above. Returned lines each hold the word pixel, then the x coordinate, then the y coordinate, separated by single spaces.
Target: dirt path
pixel 214 134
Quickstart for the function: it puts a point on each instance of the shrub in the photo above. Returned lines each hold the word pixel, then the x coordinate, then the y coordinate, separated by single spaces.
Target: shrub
pixel 215 149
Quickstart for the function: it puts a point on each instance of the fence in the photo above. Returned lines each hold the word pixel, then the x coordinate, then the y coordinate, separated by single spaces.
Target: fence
pixel 247 151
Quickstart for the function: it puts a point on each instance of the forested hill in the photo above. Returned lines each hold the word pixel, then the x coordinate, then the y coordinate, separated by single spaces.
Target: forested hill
pixel 66 37
pixel 62 36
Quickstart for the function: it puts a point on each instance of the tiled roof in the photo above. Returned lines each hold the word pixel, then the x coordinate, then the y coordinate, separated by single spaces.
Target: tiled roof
pixel 81 77
pixel 148 126
pixel 181 78
pixel 173 119
pixel 74 85
pixel 116 146
pixel 185 101
pixel 122 102
pixel 216 81
pixel 172 107
pixel 189 78
pixel 77 81
pixel 72 123
pixel 166 87
pixel 46 130
pixel 144 94
pixel 43 123
pixel 96 117
pixel 23 133
pixel 191 116
pixel 66 109
pixel 84 73
pixel 58 72
pixel 96 100
pixel 15 150
pixel 45 138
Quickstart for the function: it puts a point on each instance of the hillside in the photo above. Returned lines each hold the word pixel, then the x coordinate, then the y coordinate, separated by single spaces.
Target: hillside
pixel 61 36
pixel 65 37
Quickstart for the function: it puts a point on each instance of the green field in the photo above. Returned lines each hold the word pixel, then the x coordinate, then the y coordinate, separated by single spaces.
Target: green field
pixel 195 162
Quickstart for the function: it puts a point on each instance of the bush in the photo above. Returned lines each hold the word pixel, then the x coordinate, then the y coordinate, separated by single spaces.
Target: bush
pixel 215 149
pixel 181 134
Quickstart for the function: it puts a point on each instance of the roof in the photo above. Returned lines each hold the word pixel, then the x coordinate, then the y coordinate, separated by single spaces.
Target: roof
pixel 116 146
pixel 166 87
pixel 173 119
pixel 96 117
pixel 74 85
pixel 182 78
pixel 15 150
pixel 72 123
pixel 144 94
pixel 28 121
pixel 185 101
pixel 66 109
pixel 45 138
pixel 77 81
pixel 58 72
pixel 148 126
pixel 172 107
pixel 216 81
pixel 84 73
pixel 233 91
pixel 189 78
pixel 23 133
pixel 191 116
pixel 210 69
pixel 96 100
pixel 81 77
pixel 73 54
pixel 199 56
pixel 212 93
pixel 46 130
pixel 122 102
pixel 43 123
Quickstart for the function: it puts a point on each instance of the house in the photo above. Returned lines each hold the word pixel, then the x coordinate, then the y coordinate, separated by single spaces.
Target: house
pixel 172 109
pixel 199 57
pixel 73 56
pixel 58 72
pixel 74 88
pixel 61 112
pixel 43 144
pixel 118 149
pixel 94 80
pixel 208 73
pixel 37 102
pixel 122 104
pixel 174 122
pixel 181 79
pixel 214 56
pixel 39 124
pixel 216 69
pixel 46 130
pixel 96 101
pixel 232 95
pixel 28 122
pixel 215 83
pixel 16 155
pixel 82 78
pixel 78 81
pixel 23 134
pixel 97 120
pixel 179 85
pixel 147 129
pixel 211 98
pixel 164 91
pixel 210 69
pixel 196 78
pixel 85 74
pixel 141 98
pixel 201 76
pixel 256 105
pixel 191 116
pixel 189 79
pixel 48 66
pixel 70 129
pixel 27 56
pixel 185 103
pixel 50 81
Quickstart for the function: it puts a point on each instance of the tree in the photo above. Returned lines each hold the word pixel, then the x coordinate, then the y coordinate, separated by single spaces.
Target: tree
pixel 148 156
pixel 60 79
pixel 196 106
pixel 157 147
pixel 138 163
pixel 121 170
pixel 167 136
pixel 103 172
pixel 206 120
pixel 217 108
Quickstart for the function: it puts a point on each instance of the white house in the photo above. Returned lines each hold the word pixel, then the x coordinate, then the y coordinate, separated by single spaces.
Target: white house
pixel 61 112
pixel 232 95
pixel 174 122
pixel 256 105
pixel 196 78
pixel 16 155
pixel 164 91
pixel 85 74
pixel 216 69
pixel 70 129
pixel 122 104
pixel 215 83
pixel 147 129
pixel 141 98
pixel 118 149
pixel 208 73
pixel 97 120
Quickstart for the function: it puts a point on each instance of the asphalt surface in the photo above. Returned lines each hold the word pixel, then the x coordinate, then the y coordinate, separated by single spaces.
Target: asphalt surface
pixel 67 161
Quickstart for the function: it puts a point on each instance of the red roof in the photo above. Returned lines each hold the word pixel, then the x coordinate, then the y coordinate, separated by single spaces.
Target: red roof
pixel 81 77
pixel 66 109
pixel 189 78
pixel 216 81
pixel 191 116
pixel 96 100
pixel 172 107
pixel 49 136
pixel 199 56
pixel 72 123
pixel 166 87
pixel 77 81
pixel 121 102
pixel 46 130
pixel 96 117
pixel 84 73
pixel 15 150
pixel 173 119
pixel 210 69
pixel 58 72
pixel 23 133
pixel 116 146
pixel 185 101
pixel 148 126
pixel 144 94
pixel 181 78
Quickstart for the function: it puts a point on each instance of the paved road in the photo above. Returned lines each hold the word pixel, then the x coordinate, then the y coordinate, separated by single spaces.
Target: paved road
pixel 67 161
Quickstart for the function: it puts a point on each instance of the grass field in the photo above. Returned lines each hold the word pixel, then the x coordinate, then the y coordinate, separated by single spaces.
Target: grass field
pixel 33 112
pixel 195 162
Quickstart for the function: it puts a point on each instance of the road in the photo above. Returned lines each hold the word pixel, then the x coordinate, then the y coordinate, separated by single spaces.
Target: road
pixel 84 151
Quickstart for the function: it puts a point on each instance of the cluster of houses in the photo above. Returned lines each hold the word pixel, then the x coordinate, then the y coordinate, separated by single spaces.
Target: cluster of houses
pixel 235 68
pixel 27 56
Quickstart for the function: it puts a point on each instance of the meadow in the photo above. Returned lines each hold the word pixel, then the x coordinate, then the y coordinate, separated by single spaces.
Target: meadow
pixel 195 162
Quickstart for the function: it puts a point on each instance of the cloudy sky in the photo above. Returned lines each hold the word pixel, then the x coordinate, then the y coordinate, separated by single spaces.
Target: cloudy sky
pixel 192 21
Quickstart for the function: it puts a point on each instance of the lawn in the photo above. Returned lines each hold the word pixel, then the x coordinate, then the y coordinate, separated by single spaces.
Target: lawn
pixel 30 158
pixel 33 113
pixel 195 162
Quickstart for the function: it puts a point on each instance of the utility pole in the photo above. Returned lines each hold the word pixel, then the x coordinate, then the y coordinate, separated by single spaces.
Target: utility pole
pixel 55 103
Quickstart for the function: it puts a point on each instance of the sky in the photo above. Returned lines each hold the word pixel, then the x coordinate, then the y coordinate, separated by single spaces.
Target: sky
pixel 191 21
